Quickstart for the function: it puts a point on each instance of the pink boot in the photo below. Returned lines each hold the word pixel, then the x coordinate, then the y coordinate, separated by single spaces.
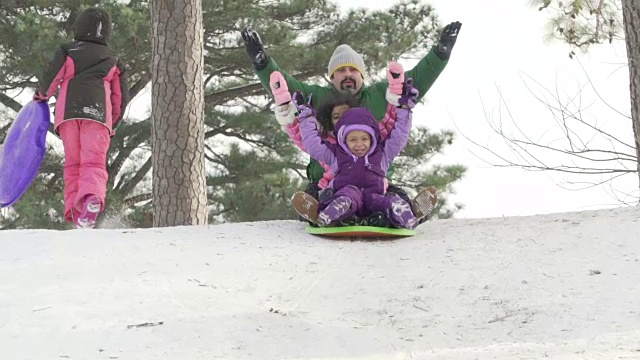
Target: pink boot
pixel 279 88
pixel 91 207
pixel 395 77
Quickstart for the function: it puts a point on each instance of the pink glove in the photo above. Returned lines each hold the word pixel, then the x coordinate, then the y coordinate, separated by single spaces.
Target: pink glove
pixel 279 88
pixel 395 77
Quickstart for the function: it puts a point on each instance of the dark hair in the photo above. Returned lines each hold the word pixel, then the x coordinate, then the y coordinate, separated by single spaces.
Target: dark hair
pixel 326 107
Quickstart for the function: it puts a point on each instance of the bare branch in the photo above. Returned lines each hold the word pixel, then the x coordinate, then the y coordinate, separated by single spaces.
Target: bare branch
pixel 132 182
pixel 584 148
pixel 130 202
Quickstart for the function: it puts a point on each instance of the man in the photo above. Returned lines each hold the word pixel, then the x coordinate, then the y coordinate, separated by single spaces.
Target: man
pixel 346 71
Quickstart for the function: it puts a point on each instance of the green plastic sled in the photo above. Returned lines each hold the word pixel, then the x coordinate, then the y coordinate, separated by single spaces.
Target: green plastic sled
pixel 360 232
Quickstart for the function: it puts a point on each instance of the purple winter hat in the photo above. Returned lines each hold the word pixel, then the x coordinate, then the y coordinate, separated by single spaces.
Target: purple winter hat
pixel 357 119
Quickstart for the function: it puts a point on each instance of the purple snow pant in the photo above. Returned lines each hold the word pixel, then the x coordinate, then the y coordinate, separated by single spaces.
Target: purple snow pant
pixel 362 205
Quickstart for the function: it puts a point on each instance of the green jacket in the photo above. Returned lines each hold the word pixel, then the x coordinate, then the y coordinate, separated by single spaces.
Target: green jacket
pixel 373 97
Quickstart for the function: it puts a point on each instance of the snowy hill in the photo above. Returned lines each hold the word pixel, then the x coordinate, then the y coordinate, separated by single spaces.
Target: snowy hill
pixel 560 286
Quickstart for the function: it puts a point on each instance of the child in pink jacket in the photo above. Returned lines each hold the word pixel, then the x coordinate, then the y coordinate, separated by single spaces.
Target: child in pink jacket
pixel 92 94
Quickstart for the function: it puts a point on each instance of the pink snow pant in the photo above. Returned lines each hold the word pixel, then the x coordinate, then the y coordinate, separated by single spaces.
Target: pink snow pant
pixel 86 143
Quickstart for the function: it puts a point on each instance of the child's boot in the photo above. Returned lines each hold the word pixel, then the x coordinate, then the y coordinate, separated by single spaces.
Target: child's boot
pixel 401 215
pixel 306 206
pixel 91 207
pixel 425 202
pixel 335 211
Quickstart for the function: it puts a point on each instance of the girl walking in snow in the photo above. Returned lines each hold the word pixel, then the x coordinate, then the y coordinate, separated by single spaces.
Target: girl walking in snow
pixel 92 94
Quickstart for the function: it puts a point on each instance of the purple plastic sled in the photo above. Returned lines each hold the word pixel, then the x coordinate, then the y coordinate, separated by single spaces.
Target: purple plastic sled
pixel 23 151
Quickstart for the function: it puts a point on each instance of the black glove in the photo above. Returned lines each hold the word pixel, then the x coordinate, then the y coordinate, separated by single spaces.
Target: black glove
pixel 448 38
pixel 39 97
pixel 254 48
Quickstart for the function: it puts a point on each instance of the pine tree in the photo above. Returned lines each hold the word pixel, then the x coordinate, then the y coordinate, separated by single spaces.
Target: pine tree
pixel 179 186
pixel 248 156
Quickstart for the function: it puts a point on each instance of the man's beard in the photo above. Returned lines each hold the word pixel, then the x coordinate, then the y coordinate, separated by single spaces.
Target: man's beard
pixel 349 89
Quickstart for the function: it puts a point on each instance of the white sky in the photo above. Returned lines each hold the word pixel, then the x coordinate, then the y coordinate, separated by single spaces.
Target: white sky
pixel 500 41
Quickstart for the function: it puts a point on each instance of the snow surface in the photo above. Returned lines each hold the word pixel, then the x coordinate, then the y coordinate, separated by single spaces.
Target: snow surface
pixel 558 286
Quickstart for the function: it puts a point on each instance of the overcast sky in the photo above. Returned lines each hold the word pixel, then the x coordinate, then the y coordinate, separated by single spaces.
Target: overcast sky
pixel 502 42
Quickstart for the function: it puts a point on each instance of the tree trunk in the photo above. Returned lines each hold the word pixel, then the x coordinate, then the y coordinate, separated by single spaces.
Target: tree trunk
pixel 177 112
pixel 631 17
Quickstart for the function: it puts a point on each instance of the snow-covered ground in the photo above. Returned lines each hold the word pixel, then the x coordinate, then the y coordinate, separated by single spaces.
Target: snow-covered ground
pixel 559 286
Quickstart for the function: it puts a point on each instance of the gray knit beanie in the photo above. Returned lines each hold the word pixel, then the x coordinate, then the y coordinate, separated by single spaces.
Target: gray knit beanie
pixel 344 55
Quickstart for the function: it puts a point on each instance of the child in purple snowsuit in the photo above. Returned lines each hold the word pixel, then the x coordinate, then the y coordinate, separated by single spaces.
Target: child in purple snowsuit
pixel 360 161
